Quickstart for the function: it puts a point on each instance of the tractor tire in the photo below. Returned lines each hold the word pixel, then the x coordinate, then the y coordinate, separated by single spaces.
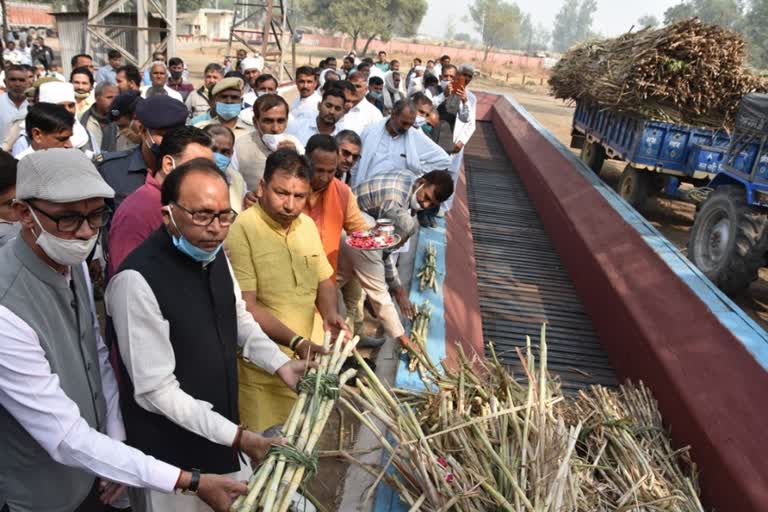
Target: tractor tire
pixel 728 239
pixel 635 186
pixel 593 154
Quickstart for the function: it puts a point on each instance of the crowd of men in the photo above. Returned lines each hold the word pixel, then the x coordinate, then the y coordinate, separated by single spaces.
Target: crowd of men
pixel 210 220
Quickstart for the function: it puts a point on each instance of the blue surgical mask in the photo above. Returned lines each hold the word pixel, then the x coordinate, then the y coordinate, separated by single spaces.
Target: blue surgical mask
pixel 228 111
pixel 427 128
pixel 186 247
pixel 154 147
pixel 222 161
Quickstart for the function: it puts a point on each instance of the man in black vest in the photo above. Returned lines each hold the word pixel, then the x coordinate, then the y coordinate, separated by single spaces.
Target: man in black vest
pixel 180 322
pixel 60 448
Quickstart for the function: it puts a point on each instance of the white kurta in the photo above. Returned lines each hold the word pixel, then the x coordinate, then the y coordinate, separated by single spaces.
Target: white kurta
pixel 302 108
pixel 382 152
pixel 304 128
pixel 146 350
pixel 360 117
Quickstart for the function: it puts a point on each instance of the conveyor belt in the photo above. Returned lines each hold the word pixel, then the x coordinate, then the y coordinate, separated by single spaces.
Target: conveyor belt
pixel 521 281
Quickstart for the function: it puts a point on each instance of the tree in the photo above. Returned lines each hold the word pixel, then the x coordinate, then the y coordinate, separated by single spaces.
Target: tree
pixel 353 17
pixel 573 24
pixel 726 13
pixel 498 23
pixel 450 31
pixel 584 21
pixel 649 20
pixel 523 41
pixel 756 30
pixel 678 12
pixel 540 39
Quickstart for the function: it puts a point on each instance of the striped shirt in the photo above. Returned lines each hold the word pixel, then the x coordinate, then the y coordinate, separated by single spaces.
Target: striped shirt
pixel 388 195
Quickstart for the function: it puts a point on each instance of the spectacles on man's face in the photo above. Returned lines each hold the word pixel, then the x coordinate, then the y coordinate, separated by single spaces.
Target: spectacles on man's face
pixel 205 218
pixel 70 222
pixel 348 154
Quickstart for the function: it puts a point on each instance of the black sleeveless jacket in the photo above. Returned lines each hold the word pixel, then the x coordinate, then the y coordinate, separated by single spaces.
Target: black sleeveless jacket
pixel 199 305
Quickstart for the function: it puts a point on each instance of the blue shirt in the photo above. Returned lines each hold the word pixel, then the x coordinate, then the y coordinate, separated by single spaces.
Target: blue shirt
pixel 106 74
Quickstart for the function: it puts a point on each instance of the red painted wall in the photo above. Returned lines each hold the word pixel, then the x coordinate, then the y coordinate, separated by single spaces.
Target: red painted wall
pixel 461 300
pixel 711 391
pixel 427 51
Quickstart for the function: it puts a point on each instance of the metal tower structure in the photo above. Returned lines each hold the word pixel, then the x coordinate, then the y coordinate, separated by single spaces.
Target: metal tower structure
pixel 262 27
pixel 125 37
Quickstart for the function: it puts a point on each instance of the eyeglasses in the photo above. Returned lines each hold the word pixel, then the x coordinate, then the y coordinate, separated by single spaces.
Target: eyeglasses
pixel 349 154
pixel 205 218
pixel 71 223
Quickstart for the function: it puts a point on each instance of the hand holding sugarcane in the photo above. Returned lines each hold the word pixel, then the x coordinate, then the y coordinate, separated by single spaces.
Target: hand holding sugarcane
pixel 275 481
pixel 292 372
pixel 256 446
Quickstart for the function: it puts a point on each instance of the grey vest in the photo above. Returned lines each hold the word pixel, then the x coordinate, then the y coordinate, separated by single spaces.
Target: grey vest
pixel 30 480
pixel 251 158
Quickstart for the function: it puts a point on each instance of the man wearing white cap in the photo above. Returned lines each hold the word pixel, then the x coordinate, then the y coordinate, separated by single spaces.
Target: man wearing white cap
pixel 47 126
pixel 59 93
pixel 59 403
pixel 251 68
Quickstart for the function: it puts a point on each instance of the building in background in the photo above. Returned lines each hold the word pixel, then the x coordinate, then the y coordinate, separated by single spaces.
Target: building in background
pixel 26 17
pixel 212 24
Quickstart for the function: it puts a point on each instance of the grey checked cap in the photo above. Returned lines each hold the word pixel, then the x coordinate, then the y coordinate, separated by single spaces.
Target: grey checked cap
pixel 60 176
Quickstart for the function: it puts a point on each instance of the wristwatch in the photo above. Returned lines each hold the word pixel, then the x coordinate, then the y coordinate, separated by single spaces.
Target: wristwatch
pixel 194 483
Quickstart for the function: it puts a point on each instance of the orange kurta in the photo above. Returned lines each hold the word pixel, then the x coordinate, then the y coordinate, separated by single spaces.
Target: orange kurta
pixel 334 209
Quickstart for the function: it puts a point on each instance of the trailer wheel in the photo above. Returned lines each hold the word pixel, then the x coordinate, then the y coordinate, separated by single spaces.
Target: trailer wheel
pixel 727 241
pixel 593 154
pixel 635 186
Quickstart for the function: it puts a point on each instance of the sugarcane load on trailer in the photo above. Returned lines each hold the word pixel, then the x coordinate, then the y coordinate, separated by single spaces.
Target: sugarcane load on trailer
pixel 650 98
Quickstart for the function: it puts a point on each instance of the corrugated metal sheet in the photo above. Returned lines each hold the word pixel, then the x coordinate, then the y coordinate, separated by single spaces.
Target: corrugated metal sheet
pixel 71 29
pixel 30 15
pixel 520 278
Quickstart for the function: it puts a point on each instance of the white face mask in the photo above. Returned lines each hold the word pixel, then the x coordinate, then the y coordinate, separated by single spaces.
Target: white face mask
pixel 419 122
pixel 64 252
pixel 444 83
pixel 271 140
pixel 415 206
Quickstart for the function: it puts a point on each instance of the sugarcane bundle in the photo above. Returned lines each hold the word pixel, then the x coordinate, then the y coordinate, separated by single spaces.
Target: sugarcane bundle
pixel 688 72
pixel 635 454
pixel 275 481
pixel 479 439
pixel 428 273
pixel 419 333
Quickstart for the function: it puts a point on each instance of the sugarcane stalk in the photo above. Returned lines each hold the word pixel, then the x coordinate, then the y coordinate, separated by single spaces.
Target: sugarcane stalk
pixel 295 474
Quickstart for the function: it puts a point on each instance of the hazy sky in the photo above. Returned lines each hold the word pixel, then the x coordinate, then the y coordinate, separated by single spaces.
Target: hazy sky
pixel 613 17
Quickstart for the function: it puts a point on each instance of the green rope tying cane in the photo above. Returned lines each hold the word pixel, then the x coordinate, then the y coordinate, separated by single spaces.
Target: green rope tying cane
pixel 293 455
pixel 328 387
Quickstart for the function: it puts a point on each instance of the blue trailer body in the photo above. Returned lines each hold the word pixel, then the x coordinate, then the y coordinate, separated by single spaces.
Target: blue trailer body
pixel 656 146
